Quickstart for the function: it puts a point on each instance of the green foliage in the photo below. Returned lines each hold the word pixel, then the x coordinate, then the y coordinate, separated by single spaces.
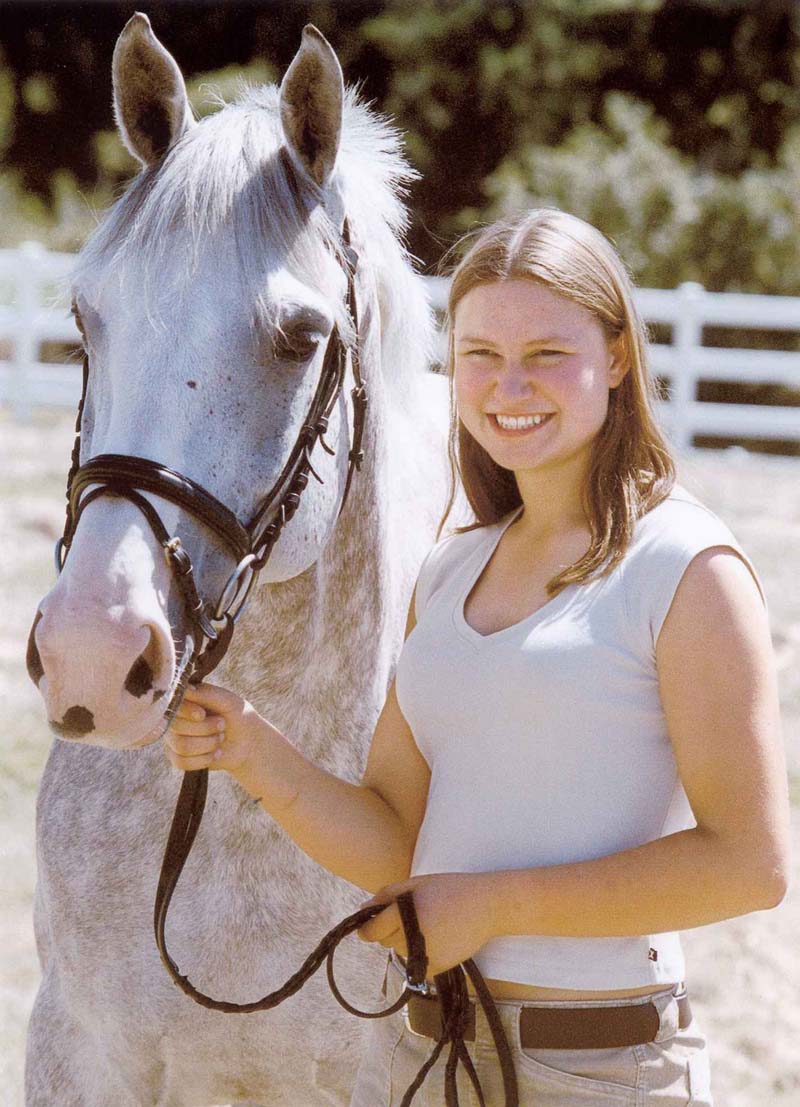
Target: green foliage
pixel 38 94
pixel 484 90
pixel 673 126
pixel 208 91
pixel 66 220
pixel 622 176
pixel 7 104
pixel 671 220
pixel 462 79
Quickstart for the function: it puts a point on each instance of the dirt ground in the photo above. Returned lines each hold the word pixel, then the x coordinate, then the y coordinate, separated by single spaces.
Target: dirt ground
pixel 744 974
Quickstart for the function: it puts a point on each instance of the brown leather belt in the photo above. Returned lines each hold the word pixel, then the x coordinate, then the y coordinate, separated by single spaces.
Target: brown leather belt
pixel 561 1027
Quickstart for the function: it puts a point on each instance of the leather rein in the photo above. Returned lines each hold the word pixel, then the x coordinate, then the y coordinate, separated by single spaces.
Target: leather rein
pixel 212 627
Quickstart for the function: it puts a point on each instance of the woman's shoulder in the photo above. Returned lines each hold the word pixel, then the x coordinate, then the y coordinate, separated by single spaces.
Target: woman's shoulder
pixel 680 520
pixel 666 541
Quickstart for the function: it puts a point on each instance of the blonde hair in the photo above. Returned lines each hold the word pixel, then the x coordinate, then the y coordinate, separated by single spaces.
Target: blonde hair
pixel 631 468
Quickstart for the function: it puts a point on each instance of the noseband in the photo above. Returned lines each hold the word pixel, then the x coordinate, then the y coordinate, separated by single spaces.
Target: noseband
pixel 212 628
pixel 250 544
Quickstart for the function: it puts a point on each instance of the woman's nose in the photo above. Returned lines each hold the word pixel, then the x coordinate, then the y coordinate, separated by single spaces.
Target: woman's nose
pixel 516 379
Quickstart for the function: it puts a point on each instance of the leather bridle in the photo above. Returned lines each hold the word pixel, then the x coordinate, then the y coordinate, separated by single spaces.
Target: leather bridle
pixel 252 543
pixel 212 627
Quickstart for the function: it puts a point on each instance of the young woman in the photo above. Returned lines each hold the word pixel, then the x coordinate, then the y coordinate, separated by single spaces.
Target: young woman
pixel 581 754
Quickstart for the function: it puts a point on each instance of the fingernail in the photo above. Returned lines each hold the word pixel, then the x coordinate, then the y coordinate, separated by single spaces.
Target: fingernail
pixel 217 754
pixel 221 724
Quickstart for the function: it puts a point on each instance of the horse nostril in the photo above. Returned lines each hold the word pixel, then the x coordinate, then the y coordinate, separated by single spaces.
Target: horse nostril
pixel 142 674
pixel 77 721
pixel 140 678
pixel 33 660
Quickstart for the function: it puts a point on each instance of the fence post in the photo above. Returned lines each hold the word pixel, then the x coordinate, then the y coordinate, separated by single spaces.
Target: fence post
pixel 26 339
pixel 687 336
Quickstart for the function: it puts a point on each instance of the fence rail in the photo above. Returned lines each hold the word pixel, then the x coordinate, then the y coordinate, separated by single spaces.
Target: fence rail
pixel 688 310
pixel 34 310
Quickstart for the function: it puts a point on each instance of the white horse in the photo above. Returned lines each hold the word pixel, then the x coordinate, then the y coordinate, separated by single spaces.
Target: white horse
pixel 205 299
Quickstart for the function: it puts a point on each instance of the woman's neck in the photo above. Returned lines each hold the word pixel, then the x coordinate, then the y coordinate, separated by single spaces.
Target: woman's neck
pixel 552 500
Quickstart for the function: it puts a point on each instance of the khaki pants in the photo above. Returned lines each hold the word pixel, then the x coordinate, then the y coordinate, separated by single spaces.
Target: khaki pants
pixel 669 1072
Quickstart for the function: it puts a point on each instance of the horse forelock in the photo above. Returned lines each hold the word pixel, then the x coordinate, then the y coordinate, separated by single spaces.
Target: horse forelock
pixel 229 178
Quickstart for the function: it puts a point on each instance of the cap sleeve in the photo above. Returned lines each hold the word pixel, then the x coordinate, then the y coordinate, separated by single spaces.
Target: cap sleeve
pixel 663 554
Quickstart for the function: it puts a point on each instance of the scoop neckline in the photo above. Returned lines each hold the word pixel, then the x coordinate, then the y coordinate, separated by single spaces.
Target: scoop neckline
pixel 528 621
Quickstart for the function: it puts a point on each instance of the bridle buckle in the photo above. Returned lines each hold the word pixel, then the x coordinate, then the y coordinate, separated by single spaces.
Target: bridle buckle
pixel 171 548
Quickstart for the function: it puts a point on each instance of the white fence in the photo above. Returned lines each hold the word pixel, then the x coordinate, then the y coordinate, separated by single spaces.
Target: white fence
pixel 33 310
pixel 686 361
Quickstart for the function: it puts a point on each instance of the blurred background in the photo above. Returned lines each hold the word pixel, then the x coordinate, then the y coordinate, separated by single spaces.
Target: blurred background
pixel 672 126
pixel 675 127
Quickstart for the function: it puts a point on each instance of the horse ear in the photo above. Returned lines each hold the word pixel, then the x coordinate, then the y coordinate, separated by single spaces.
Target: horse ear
pixel 150 102
pixel 312 97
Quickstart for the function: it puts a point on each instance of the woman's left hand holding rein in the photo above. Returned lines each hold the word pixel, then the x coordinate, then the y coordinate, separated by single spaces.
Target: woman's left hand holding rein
pixel 454 912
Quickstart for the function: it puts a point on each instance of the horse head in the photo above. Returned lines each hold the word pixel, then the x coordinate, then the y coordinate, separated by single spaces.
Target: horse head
pixel 207 301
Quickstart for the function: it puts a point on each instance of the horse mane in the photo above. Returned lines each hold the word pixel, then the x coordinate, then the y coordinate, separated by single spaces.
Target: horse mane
pixel 230 174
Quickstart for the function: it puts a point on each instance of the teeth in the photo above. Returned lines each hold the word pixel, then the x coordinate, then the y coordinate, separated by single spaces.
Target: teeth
pixel 518 422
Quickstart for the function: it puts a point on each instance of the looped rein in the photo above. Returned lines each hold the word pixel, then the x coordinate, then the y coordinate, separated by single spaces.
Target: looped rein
pixel 129 476
pixel 450 986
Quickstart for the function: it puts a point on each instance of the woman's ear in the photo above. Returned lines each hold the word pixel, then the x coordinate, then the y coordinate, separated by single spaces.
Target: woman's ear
pixel 620 361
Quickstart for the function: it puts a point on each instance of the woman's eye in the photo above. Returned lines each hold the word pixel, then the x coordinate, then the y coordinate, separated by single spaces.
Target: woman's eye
pixel 549 353
pixel 297 346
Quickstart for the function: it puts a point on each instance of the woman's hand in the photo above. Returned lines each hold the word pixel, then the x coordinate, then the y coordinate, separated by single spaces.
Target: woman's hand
pixel 454 912
pixel 214 729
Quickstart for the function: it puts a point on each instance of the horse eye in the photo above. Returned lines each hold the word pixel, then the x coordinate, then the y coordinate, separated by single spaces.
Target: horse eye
pixel 295 346
pixel 76 315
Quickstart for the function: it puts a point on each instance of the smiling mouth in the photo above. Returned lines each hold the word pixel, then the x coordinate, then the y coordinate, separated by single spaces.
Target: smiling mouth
pixel 519 424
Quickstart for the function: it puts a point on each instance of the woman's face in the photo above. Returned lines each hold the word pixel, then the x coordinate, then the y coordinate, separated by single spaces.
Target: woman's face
pixel 522 351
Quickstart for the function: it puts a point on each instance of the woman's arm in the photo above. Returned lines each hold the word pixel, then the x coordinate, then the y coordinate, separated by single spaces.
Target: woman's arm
pixel 719 693
pixel 718 690
pixel 362 832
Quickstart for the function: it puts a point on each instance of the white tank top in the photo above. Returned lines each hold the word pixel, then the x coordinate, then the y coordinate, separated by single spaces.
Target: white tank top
pixel 546 741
